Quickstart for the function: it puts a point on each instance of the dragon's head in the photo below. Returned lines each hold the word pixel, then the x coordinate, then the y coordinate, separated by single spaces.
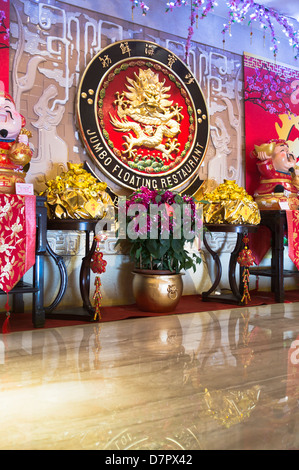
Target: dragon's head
pixel 147 91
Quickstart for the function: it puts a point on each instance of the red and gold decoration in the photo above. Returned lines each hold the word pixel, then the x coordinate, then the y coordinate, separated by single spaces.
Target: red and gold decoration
pixel 98 266
pixel 271 111
pixel 17 237
pixel 272 143
pixel 15 153
pixel 76 194
pixel 228 203
pixel 143 117
pixel 278 183
pixel 293 236
pixel 246 259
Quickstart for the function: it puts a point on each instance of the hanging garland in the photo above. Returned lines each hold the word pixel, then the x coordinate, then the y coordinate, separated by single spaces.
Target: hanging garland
pixel 238 11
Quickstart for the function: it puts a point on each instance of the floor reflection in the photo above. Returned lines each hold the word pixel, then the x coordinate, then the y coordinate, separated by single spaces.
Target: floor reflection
pixel 214 380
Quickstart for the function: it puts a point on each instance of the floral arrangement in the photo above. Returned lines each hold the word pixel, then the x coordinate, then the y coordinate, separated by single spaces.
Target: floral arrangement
pixel 158 224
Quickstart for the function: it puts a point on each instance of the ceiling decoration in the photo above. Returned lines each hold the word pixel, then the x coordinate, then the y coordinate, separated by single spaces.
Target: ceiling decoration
pixel 237 11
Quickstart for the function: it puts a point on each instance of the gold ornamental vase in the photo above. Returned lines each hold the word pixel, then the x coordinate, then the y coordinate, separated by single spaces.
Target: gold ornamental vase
pixel 157 291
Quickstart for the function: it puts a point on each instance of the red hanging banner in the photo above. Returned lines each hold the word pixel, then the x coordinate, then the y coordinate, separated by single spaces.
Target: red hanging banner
pixel 271 98
pixel 4 45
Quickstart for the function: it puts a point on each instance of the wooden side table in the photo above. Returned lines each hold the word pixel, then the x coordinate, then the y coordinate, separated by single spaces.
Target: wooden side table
pixel 236 292
pixel 88 226
pixel 37 286
pixel 276 221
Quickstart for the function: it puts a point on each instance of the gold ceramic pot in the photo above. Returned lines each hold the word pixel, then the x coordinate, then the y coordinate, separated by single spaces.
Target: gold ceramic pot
pixel 157 291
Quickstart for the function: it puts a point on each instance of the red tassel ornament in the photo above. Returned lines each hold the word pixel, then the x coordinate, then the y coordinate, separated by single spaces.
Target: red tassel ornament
pixel 97 297
pixel 246 259
pixel 98 266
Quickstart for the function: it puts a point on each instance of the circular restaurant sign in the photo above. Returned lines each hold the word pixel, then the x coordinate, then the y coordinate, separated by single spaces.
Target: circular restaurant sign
pixel 142 116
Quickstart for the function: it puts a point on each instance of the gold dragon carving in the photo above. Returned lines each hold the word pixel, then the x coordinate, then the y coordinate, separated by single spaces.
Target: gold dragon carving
pixel 153 117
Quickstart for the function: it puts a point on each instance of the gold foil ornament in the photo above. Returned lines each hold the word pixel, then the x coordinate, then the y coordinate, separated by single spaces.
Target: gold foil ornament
pixel 230 204
pixel 207 187
pixel 76 194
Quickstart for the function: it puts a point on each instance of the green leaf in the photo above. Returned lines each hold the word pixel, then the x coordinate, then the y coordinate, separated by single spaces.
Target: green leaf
pixel 178 199
pixel 153 248
pixel 163 247
pixel 177 244
pixel 138 252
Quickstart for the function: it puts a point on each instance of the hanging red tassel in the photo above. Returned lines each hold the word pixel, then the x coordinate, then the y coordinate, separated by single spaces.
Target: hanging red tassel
pixel 246 259
pixel 5 326
pixel 98 266
pixel 245 278
pixel 97 297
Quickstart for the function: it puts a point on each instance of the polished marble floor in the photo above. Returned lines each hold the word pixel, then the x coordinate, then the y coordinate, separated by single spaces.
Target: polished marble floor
pixel 206 381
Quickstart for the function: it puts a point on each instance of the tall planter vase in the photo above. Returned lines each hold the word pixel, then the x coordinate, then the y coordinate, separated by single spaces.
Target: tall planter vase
pixel 157 291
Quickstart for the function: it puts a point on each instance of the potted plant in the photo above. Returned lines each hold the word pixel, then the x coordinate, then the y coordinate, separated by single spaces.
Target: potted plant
pixel 154 226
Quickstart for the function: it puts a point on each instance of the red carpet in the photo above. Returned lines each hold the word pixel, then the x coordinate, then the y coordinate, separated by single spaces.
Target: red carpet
pixel 188 304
